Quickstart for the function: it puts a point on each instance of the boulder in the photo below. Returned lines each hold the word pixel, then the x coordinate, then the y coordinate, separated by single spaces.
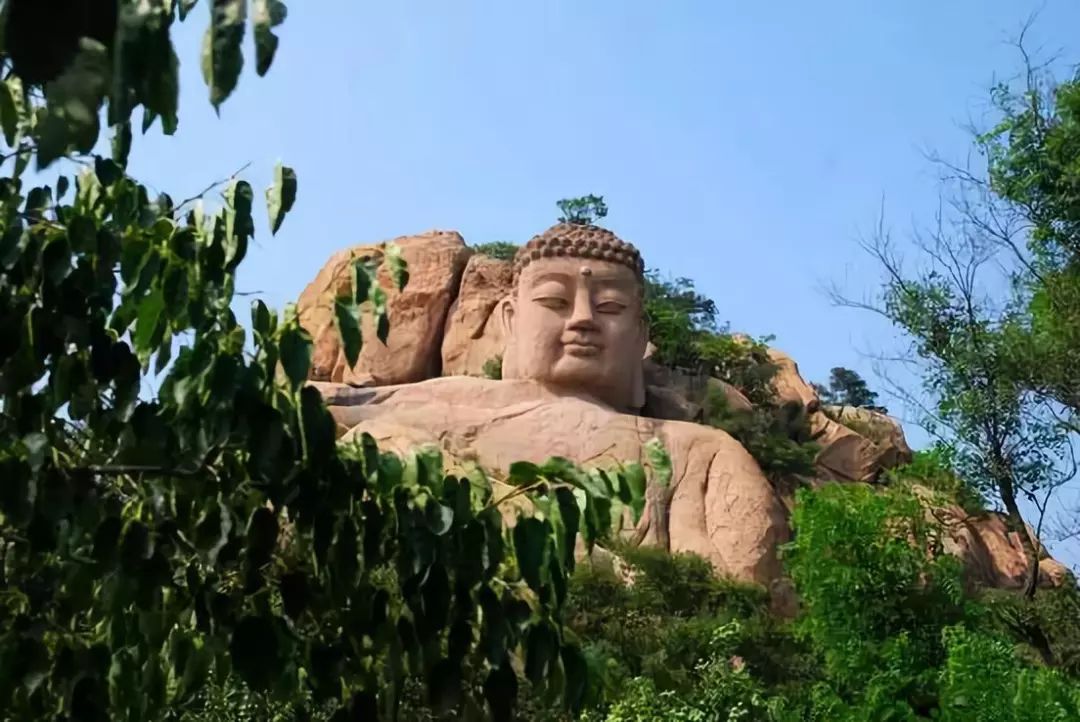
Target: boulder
pixel 883 430
pixel 436 260
pixel 473 335
pixel 992 553
pixel 789 383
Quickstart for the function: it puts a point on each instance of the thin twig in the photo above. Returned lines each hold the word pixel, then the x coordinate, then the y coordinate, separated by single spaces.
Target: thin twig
pixel 211 187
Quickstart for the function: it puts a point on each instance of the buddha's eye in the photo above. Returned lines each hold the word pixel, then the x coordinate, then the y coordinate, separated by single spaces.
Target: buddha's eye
pixel 555 303
pixel 610 307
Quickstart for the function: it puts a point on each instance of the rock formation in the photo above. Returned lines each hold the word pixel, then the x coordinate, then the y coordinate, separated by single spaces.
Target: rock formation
pixel 564 317
pixel 436 260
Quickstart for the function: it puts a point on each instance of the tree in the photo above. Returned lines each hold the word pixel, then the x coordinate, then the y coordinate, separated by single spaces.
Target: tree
pixel 215 533
pixel 678 315
pixel 1006 442
pixel 847 388
pixel 583 211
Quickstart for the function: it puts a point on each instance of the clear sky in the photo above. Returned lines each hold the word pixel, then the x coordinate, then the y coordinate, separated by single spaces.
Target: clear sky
pixel 742 144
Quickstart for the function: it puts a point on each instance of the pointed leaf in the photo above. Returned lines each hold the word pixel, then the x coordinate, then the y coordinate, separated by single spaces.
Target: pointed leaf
pixel 296 349
pixel 267 14
pixel 281 195
pixel 346 317
pixel 147 322
pixel 530 547
pixel 634 476
pixel 186 6
pixel 361 281
pixel 222 57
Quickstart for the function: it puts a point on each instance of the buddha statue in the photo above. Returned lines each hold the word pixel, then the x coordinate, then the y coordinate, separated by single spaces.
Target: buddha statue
pixel 572 386
pixel 575 319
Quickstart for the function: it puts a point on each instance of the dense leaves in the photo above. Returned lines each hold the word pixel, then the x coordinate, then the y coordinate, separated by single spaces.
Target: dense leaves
pixel 166 551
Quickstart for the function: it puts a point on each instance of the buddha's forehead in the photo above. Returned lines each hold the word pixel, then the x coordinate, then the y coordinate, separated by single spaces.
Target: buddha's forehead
pixel 576 270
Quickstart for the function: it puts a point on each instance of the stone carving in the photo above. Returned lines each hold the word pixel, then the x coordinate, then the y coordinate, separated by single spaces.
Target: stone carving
pixel 578 383
pixel 575 318
pixel 572 383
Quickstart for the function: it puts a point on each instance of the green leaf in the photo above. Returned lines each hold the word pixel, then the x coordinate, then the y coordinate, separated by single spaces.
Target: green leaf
pixel 296 350
pixel 62 185
pixel 281 195
pixel 222 56
pixel 660 462
pixel 147 322
pixel 346 317
pixel 440 518
pixel 523 472
pixel 530 547
pixel 382 328
pixel 260 318
pixel 267 14
pixel 361 281
pixel 634 476
pixel 121 144
pixel 395 263
pixel 570 515
pixel 542 646
pixel 577 677
pixel 9 114
pixel 186 6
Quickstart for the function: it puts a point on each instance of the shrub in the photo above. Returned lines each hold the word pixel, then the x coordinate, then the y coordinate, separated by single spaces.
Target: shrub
pixel 502 250
pixel 933 468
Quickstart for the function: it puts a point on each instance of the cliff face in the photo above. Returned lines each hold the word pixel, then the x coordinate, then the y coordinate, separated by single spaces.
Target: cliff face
pixel 443 324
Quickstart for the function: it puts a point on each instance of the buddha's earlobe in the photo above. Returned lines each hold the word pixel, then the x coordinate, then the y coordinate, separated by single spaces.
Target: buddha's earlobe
pixel 504 311
pixel 505 317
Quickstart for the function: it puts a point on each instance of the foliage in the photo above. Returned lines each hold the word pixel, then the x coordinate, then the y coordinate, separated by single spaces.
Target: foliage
pixel 583 210
pixel 984 680
pixel 501 250
pixel 672 633
pixel 742 362
pixel 211 544
pixel 933 469
pixel 678 315
pixel 777 436
pixel 848 388
pixel 876 592
pixel 493 368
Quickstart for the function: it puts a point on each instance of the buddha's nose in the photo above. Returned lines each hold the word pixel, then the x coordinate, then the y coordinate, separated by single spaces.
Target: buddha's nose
pixel 582 316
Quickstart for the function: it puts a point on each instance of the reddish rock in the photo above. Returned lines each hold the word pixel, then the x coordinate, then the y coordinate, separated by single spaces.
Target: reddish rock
pixel 473 334
pixel 417 314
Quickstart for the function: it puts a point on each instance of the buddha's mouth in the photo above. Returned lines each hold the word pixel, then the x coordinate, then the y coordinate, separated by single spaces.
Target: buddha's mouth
pixel 582 349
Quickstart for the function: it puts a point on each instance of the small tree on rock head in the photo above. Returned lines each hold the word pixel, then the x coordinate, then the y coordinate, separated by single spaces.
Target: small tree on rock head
pixel 848 388
pixel 582 211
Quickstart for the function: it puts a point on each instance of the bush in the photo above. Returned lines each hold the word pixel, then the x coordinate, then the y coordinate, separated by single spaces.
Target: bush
pixel 502 250
pixel 657 634
pixel 778 437
pixel 493 368
pixel 933 469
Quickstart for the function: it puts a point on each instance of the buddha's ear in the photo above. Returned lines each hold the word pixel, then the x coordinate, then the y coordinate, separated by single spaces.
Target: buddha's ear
pixel 505 313
pixel 505 316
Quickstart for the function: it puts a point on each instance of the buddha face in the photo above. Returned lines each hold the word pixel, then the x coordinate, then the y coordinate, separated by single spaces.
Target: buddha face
pixel 578 324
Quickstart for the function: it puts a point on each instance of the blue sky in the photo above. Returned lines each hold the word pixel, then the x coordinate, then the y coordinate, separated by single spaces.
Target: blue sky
pixel 744 145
